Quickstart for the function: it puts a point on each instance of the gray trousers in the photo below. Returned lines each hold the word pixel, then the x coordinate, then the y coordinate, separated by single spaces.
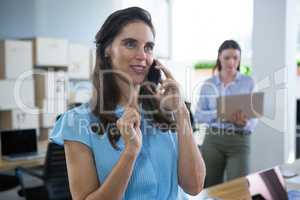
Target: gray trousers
pixel 226 154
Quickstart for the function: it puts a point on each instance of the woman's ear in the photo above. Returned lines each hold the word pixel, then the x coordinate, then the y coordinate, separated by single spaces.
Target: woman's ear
pixel 107 51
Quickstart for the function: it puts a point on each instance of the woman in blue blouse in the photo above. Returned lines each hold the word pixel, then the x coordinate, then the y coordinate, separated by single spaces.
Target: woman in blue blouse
pixel 227 144
pixel 134 139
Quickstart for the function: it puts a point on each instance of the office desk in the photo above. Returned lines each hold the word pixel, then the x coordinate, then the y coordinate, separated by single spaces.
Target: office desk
pixel 238 189
pixel 11 165
pixel 233 190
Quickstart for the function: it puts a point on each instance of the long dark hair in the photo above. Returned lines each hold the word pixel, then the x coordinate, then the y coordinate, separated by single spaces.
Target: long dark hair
pixel 108 92
pixel 227 44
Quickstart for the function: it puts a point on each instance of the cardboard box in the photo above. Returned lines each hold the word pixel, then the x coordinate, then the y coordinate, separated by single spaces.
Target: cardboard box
pixel 18 119
pixel 15 58
pixel 51 109
pixel 44 133
pixel 50 52
pixel 50 85
pixel 47 120
pixel 79 92
pixel 14 93
pixel 79 62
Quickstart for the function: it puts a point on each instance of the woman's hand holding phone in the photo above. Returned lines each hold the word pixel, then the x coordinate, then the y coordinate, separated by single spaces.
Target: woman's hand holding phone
pixel 168 92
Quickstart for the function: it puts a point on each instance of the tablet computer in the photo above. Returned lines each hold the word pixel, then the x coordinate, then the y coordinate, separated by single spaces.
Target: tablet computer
pixel 250 104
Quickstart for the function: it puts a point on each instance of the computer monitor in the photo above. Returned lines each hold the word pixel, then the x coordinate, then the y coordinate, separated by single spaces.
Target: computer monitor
pixel 18 142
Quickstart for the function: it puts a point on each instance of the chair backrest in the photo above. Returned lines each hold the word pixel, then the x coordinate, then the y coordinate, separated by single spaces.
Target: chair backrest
pixel 55 173
pixel 188 105
pixel 55 170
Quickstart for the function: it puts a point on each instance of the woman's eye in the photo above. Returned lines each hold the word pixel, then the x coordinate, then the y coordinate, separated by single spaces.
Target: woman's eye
pixel 130 44
pixel 149 48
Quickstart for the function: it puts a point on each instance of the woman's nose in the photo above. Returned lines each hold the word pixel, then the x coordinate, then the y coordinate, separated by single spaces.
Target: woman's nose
pixel 231 62
pixel 141 54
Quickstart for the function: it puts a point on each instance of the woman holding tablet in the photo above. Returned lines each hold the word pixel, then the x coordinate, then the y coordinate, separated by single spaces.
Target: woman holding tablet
pixel 226 145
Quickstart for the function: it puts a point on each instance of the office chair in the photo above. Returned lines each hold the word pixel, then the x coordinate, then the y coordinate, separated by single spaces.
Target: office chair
pixel 8 182
pixel 54 176
pixel 188 105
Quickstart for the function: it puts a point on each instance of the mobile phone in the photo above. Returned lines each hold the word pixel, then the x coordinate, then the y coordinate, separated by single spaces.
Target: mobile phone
pixel 154 75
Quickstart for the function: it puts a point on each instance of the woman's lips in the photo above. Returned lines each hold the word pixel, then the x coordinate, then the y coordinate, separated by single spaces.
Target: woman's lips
pixel 231 67
pixel 138 69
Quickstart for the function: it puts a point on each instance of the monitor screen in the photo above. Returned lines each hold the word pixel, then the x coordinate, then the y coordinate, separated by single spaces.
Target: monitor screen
pixel 15 142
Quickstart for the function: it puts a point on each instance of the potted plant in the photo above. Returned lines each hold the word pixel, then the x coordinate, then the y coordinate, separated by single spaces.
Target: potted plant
pixel 298 66
pixel 206 67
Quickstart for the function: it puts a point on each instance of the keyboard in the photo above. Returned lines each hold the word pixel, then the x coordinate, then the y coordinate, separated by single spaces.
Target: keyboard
pixel 31 156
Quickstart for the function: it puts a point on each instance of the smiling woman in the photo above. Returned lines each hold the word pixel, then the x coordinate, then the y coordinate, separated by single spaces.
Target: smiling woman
pixel 134 139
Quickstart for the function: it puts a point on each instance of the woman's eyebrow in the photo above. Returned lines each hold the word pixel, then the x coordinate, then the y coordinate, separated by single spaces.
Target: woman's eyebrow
pixel 150 43
pixel 135 40
pixel 129 40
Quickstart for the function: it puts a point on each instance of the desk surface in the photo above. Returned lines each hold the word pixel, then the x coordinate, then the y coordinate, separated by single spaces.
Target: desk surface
pixel 238 188
pixel 232 190
pixel 10 165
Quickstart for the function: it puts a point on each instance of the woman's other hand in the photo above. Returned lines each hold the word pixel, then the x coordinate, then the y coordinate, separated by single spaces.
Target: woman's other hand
pixel 239 118
pixel 129 125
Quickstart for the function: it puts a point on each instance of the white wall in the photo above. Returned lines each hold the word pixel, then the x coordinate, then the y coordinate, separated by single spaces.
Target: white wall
pixel 17 18
pixel 274 67
pixel 199 27
pixel 77 20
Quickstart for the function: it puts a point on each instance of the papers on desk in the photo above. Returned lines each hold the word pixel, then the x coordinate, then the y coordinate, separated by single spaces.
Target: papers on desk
pixel 288 173
pixel 294 180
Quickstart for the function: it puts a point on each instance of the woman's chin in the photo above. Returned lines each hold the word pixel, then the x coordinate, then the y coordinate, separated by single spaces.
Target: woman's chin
pixel 138 81
pixel 231 71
